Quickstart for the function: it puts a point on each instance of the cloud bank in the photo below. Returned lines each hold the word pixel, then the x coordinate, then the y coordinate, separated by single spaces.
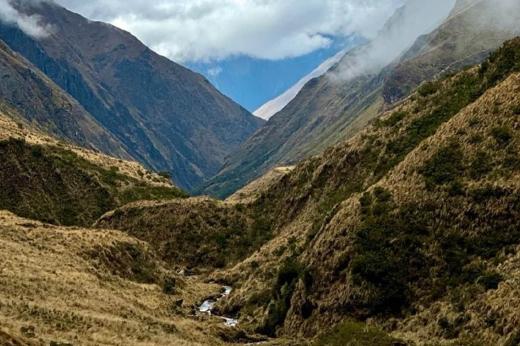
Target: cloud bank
pixel 29 24
pixel 416 18
pixel 205 30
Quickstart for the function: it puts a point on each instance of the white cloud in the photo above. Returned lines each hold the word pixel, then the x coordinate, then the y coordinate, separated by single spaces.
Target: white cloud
pixel 29 24
pixel 413 20
pixel 215 71
pixel 199 30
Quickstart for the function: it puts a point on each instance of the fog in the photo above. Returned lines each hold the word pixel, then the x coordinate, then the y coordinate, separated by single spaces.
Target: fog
pixel 31 25
pixel 415 18
pixel 419 17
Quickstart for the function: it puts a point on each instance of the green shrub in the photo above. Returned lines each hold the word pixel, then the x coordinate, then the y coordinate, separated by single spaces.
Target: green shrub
pixel 481 165
pixel 444 167
pixel 393 119
pixel 502 135
pixel 356 333
pixel 490 280
pixel 513 339
pixel 169 285
pixel 429 88
pixel 288 275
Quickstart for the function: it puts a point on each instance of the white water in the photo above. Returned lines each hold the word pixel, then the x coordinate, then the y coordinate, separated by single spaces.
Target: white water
pixel 208 305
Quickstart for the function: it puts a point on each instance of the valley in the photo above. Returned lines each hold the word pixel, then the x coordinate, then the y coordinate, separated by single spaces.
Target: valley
pixel 381 210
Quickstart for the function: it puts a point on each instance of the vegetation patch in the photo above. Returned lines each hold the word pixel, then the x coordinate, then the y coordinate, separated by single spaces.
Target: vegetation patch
pixel 445 166
pixel 356 333
pixel 55 185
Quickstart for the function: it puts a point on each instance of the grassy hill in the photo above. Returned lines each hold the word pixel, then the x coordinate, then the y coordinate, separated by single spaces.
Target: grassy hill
pixel 411 225
pixel 52 181
pixel 329 109
pixel 64 286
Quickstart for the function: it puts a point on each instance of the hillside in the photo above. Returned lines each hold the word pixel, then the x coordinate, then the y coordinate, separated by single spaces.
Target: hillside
pixel 198 233
pixel 32 96
pixel 52 181
pixel 329 110
pixel 162 114
pixel 411 226
pixel 93 288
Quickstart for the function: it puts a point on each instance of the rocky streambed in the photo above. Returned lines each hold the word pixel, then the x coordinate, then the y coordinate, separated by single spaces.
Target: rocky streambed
pixel 209 304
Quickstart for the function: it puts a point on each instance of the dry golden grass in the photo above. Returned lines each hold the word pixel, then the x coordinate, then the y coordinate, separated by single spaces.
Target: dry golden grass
pixel 253 190
pixel 57 285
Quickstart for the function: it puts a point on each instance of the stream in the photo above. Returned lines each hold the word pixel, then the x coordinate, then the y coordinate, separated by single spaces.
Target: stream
pixel 208 305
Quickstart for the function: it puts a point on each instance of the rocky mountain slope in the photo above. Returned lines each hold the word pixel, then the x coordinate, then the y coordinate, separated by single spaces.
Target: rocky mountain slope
pixel 328 110
pixel 162 114
pixel 27 93
pixel 411 226
pixel 45 179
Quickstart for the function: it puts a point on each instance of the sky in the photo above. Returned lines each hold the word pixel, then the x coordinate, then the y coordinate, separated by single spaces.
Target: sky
pixel 202 30
pixel 251 50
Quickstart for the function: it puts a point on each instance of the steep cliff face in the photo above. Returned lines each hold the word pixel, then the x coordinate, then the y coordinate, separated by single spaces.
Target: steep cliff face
pixel 27 94
pixel 412 224
pixel 164 115
pixel 336 106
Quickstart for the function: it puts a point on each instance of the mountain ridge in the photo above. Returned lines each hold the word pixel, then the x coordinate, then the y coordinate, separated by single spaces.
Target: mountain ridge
pixel 326 111
pixel 164 115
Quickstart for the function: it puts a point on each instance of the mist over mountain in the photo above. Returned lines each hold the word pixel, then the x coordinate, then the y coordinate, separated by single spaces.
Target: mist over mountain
pixel 413 47
pixel 379 206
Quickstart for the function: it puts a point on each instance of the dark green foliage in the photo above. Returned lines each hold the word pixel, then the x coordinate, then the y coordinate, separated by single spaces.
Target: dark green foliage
pixel 288 275
pixel 384 242
pixel 490 280
pixel 502 135
pixel 392 120
pixel 356 333
pixel 501 63
pixel 55 185
pixel 444 167
pixel 429 88
pixel 451 328
pixel 481 165
pixel 514 339
pixel 169 285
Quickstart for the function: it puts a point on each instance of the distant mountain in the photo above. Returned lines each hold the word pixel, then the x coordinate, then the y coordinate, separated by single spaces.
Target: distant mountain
pixel 368 80
pixel 252 81
pixel 277 104
pixel 161 113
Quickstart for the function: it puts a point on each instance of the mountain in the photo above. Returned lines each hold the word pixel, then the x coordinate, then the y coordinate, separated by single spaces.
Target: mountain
pixel 277 104
pixel 367 80
pixel 253 81
pixel 161 113
pixel 27 94
pixel 408 233
pixel 412 225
